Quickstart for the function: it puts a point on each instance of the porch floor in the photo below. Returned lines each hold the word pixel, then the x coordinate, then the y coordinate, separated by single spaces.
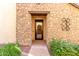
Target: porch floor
pixel 39 48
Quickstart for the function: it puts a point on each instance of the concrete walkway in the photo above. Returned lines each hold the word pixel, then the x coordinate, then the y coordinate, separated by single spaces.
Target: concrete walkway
pixel 39 48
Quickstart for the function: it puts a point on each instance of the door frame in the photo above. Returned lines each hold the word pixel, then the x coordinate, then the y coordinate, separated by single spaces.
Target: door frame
pixel 38 17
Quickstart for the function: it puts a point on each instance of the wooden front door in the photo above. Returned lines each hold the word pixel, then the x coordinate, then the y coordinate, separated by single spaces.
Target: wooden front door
pixel 38 29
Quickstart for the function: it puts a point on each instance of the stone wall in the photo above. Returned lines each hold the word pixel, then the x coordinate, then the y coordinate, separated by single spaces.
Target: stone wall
pixel 23 25
pixel 53 21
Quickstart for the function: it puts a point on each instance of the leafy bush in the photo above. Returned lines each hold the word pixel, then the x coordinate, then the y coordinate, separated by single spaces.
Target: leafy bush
pixel 10 50
pixel 63 48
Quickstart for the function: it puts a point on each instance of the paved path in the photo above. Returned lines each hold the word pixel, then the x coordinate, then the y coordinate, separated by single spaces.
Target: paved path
pixel 38 48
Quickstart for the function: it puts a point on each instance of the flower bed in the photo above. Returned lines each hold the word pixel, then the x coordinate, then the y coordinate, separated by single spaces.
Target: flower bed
pixel 63 48
pixel 10 50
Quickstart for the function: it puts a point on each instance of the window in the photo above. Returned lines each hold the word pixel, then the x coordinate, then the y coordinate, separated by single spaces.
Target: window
pixel 65 25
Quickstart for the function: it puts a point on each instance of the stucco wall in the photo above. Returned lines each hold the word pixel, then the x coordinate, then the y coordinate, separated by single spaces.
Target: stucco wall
pixel 7 23
pixel 53 21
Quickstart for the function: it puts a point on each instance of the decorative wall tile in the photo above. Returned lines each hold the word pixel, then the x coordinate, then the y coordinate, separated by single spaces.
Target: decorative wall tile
pixel 65 25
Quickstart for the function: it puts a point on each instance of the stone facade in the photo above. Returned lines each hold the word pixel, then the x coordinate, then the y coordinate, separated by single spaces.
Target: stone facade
pixel 53 22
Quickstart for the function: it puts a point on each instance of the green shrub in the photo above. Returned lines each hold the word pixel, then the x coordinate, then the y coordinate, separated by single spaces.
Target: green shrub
pixel 10 50
pixel 63 48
